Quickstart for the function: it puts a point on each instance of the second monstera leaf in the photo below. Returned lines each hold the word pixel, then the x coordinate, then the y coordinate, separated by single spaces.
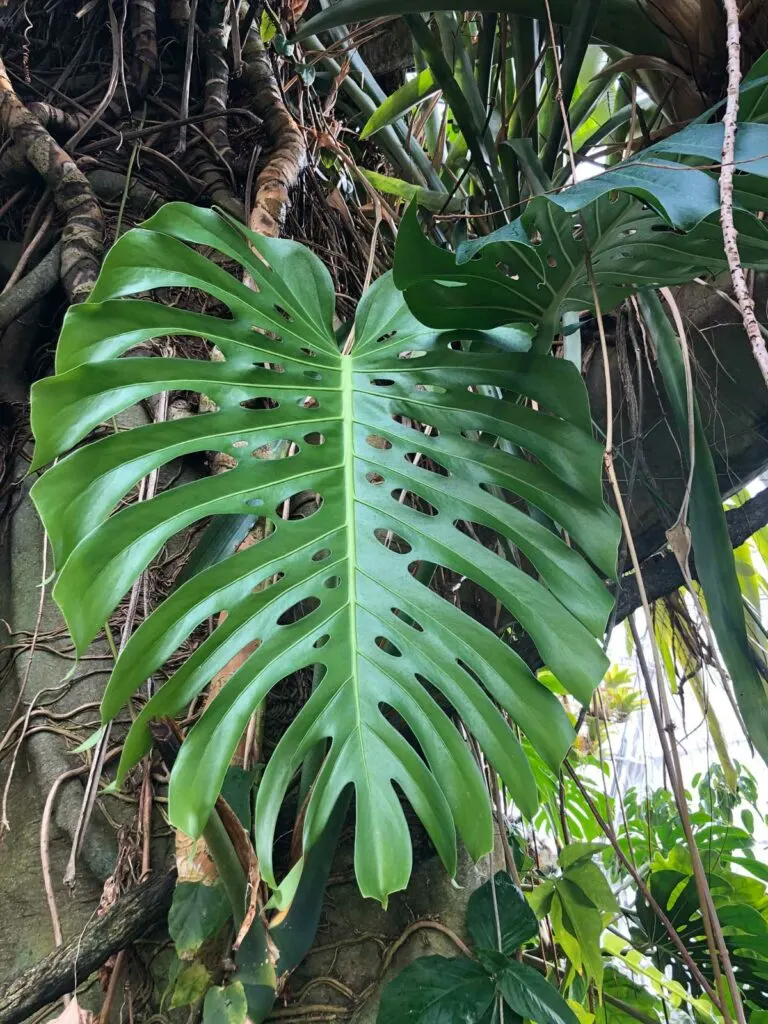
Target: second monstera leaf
pixel 405 455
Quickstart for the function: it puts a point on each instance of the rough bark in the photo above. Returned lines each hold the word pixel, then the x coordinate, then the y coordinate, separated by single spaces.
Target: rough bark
pixel 217 159
pixel 83 234
pixel 132 917
pixel 144 33
pixel 286 156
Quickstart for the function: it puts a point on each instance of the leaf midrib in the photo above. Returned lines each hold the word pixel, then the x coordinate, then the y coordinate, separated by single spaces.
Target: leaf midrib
pixel 348 427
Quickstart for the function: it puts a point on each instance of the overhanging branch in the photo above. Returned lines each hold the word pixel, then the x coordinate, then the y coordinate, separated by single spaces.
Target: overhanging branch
pixel 661 573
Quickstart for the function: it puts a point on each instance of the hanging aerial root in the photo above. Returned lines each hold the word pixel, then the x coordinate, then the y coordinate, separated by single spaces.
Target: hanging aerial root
pixel 144 33
pixel 56 120
pixel 286 156
pixel 215 167
pixel 83 234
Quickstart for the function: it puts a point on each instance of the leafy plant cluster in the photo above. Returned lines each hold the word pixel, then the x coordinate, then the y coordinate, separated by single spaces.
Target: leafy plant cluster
pixel 433 437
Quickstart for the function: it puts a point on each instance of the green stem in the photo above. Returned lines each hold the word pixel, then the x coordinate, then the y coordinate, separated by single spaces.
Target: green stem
pixel 228 865
pixel 456 100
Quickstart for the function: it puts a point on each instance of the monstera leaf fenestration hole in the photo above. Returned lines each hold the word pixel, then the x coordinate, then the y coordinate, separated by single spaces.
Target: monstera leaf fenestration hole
pixel 391 446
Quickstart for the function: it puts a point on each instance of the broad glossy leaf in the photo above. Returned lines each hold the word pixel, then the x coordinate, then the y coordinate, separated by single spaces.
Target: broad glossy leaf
pixel 531 996
pixel 574 853
pixel 337 587
pixel 517 922
pixel 437 990
pixel 650 221
pixel 225 1004
pixel 197 912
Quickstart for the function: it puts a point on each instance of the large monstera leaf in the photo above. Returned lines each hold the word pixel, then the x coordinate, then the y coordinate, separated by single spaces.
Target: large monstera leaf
pixel 402 455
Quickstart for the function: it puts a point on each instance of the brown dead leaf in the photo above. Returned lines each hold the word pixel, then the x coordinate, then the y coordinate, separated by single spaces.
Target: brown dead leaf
pixel 247 857
pixel 74 1014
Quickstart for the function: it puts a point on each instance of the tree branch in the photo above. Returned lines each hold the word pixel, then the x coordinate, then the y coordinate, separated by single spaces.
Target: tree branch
pixel 661 573
pixel 61 971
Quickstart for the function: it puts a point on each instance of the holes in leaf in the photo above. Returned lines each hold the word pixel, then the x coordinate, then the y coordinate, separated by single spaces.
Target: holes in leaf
pixel 501 492
pixel 313 375
pixel 301 505
pixel 314 438
pixel 321 641
pixel 507 271
pixel 309 402
pixel 407 619
pixel 283 313
pixel 578 232
pixel 282 448
pixel 332 582
pixel 470 672
pixel 423 428
pixel 551 261
pixel 374 478
pixel 412 354
pixel 377 441
pixel 386 337
pixel 414 501
pixel 613 197
pixel 427 463
pixel 270 581
pixel 629 232
pixel 386 645
pixel 265 333
pixel 262 402
pixel 270 367
pixel 253 502
pixel 321 555
pixel 484 535
pixel 382 382
pixel 536 237
pixel 308 352
pixel 298 611
pixel 393 541
pixel 239 444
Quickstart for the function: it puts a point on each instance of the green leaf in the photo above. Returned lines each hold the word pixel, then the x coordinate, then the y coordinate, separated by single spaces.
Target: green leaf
pixel 191 985
pixel 225 1005
pixel 237 790
pixel 593 883
pixel 398 103
pixel 255 971
pixel 712 549
pixel 619 22
pixel 197 912
pixel 650 221
pixel 586 924
pixel 438 202
pixel 564 931
pixel 267 27
pixel 437 990
pixel 335 587
pixel 530 995
pixel 517 922
pixel 574 853
pixel 540 898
